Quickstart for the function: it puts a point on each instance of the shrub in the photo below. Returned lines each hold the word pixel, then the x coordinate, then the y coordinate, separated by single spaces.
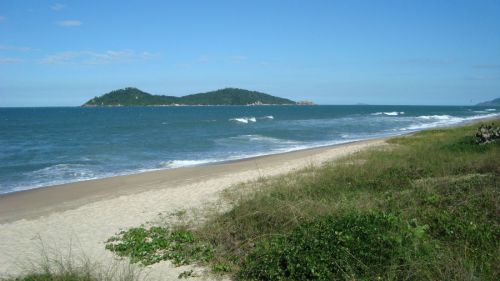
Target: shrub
pixel 349 247
pixel 487 133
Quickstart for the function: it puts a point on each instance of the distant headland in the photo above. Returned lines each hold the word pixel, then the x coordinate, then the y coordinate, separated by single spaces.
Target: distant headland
pixel 495 102
pixel 228 96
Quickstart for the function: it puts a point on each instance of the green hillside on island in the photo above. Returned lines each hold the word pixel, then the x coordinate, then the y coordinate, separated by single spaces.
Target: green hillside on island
pixel 227 96
pixel 495 102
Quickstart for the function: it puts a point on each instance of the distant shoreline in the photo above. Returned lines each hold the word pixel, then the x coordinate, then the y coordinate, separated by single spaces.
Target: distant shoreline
pixel 13 204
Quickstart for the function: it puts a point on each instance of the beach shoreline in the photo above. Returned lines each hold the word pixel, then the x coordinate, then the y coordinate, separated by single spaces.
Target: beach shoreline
pixel 35 202
pixel 32 203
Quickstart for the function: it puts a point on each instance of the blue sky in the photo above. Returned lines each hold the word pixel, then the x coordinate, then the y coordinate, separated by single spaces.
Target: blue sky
pixel 332 52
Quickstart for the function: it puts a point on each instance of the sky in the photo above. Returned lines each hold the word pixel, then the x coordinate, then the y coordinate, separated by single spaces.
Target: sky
pixel 436 52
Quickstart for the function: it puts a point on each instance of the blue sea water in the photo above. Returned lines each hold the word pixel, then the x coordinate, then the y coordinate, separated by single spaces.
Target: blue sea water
pixel 47 146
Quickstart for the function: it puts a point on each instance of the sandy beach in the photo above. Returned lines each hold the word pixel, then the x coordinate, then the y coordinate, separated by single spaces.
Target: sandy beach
pixel 79 217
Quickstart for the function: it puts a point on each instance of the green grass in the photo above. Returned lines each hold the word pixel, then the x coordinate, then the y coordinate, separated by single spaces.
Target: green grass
pixel 425 207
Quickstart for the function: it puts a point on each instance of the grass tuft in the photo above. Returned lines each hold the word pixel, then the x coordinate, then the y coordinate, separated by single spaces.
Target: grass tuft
pixel 70 268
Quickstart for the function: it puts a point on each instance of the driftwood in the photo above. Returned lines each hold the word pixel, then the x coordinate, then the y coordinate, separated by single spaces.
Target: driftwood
pixel 487 134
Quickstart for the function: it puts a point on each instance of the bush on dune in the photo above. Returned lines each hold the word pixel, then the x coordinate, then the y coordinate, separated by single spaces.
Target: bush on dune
pixel 354 246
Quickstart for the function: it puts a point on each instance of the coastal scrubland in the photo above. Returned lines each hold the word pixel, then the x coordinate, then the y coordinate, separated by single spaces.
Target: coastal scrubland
pixel 424 207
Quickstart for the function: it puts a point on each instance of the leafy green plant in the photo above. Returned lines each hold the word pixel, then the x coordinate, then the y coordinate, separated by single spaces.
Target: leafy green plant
pixel 221 267
pixel 154 244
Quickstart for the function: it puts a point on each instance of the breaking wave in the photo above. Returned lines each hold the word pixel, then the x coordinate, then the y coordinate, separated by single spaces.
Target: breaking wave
pixel 246 120
pixel 57 174
pixel 434 121
pixel 393 113
pixel 171 164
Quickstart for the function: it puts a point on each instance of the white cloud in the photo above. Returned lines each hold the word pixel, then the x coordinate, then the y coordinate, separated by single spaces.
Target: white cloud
pixel 88 57
pixel 14 48
pixel 482 78
pixel 69 23
pixel 487 66
pixel 238 59
pixel 423 61
pixel 8 60
pixel 149 56
pixel 57 7
pixel 203 59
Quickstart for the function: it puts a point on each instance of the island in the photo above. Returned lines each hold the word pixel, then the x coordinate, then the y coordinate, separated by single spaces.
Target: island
pixel 495 102
pixel 229 96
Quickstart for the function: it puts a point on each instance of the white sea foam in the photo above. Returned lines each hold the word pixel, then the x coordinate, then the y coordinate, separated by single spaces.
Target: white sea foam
pixel 262 139
pixel 436 117
pixel 76 170
pixel 171 164
pixel 241 120
pixel 244 120
pixel 442 121
pixel 393 113
pixel 487 110
pixel 56 174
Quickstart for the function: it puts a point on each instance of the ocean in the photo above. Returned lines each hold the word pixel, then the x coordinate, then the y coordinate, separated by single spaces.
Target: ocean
pixel 48 146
